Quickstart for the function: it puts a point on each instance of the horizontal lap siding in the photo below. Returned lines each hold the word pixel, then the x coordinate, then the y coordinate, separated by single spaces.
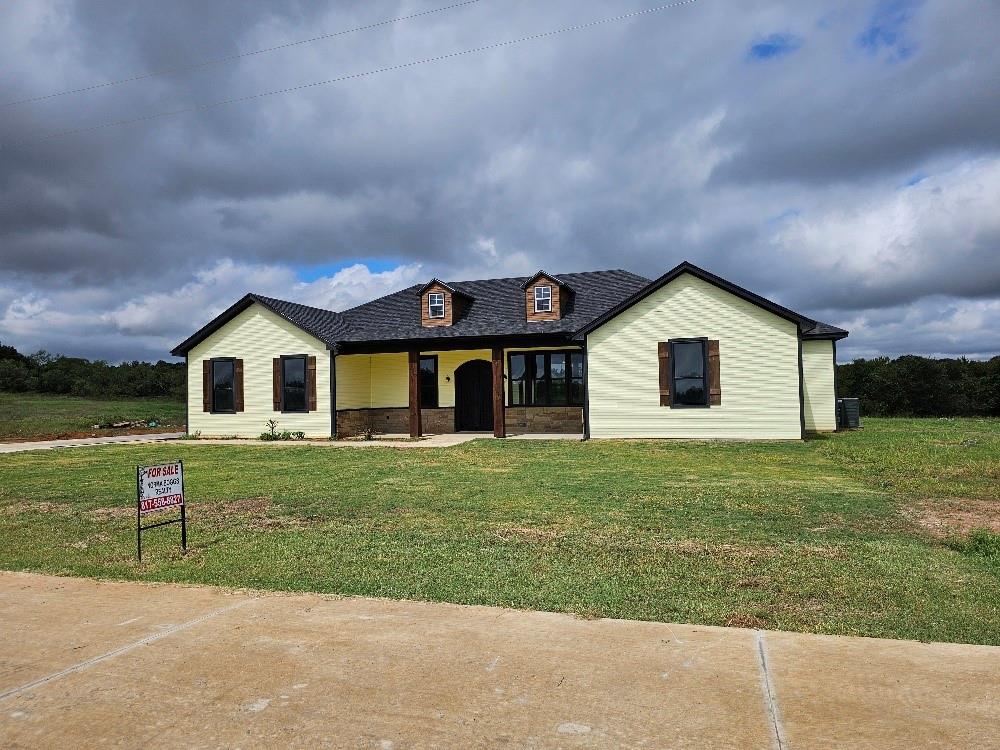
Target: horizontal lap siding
pixel 367 381
pixel 758 357
pixel 354 382
pixel 257 336
pixel 820 401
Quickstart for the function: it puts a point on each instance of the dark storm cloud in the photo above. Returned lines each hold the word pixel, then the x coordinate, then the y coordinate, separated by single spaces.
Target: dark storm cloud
pixel 771 143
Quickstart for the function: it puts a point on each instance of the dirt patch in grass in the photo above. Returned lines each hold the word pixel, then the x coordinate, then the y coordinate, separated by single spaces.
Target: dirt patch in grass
pixel 725 551
pixel 98 538
pixel 746 621
pixel 528 533
pixel 253 513
pixel 78 434
pixel 43 507
pixel 945 518
pixel 108 514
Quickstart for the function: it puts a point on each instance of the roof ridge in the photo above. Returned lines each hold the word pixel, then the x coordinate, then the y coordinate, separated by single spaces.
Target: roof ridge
pixel 379 299
pixel 560 275
pixel 297 304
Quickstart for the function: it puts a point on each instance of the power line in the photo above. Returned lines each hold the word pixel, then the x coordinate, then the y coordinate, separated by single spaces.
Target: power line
pixel 231 58
pixel 376 71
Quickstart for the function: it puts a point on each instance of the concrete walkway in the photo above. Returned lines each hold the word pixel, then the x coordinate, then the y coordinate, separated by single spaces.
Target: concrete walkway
pixel 42 445
pixel 430 441
pixel 101 664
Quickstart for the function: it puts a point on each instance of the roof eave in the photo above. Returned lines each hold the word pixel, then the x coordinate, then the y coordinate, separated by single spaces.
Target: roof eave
pixel 231 312
pixel 213 325
pixel 707 276
pixel 829 336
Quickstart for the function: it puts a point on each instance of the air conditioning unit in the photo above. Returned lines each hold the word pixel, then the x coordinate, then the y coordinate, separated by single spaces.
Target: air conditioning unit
pixel 848 414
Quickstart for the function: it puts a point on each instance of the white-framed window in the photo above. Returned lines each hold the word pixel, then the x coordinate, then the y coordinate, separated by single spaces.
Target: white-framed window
pixel 543 299
pixel 435 305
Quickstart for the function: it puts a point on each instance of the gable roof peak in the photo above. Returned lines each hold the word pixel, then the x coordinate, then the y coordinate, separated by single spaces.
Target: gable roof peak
pixel 803 323
pixel 446 285
pixel 542 272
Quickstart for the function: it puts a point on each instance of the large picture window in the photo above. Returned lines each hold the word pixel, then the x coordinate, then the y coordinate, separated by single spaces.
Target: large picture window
pixel 689 372
pixel 293 383
pixel 435 305
pixel 429 382
pixel 545 378
pixel 223 386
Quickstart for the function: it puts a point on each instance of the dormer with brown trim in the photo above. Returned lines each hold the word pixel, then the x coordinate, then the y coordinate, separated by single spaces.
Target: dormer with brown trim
pixel 441 304
pixel 546 297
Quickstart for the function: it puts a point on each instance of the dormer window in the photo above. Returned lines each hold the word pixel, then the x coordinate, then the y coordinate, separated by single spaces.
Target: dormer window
pixel 543 299
pixel 546 297
pixel 435 305
pixel 442 304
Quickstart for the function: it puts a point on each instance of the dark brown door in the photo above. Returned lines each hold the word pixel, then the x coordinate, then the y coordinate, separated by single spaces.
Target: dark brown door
pixel 473 396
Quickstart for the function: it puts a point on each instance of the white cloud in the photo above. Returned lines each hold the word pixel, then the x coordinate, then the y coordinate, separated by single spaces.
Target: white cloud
pixel 939 236
pixel 149 325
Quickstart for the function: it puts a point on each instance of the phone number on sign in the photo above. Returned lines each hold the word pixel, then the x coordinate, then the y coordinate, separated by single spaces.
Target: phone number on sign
pixel 159 503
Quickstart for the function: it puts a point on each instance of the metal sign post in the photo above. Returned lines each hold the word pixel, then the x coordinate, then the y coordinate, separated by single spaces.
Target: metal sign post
pixel 159 488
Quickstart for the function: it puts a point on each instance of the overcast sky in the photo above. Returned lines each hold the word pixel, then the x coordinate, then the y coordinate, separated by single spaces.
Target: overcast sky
pixel 842 158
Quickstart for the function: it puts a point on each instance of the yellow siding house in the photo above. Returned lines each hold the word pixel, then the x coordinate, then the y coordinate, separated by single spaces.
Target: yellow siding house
pixel 602 354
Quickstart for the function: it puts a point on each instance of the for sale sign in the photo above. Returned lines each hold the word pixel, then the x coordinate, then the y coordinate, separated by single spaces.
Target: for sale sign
pixel 160 487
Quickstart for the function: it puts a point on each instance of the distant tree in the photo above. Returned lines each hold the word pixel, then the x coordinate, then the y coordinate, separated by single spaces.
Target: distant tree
pixel 51 373
pixel 10 353
pixel 913 386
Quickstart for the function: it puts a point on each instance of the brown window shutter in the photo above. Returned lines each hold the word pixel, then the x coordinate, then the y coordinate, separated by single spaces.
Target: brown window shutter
pixel 276 388
pixel 311 381
pixel 238 384
pixel 206 385
pixel 714 379
pixel 664 356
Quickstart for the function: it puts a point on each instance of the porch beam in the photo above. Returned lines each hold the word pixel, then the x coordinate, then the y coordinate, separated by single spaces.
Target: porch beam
pixel 416 428
pixel 499 427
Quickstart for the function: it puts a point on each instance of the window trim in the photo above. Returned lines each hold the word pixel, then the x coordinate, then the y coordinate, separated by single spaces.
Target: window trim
pixel 231 360
pixel 529 376
pixel 703 340
pixel 437 380
pixel 431 305
pixel 537 289
pixel 305 380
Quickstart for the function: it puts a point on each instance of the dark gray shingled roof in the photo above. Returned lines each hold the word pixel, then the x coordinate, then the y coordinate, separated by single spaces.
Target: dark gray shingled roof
pixel 824 331
pixel 495 309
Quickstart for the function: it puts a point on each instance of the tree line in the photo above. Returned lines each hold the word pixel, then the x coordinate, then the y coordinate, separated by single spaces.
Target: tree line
pixel 42 372
pixel 912 386
pixel 908 386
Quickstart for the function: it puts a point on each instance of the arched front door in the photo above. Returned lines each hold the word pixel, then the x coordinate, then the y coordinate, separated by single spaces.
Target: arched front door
pixel 474 396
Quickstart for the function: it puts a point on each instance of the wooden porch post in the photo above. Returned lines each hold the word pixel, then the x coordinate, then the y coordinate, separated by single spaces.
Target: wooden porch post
pixel 415 424
pixel 499 428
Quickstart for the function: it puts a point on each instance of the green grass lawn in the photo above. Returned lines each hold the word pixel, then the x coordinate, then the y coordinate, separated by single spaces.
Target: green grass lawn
pixel 863 533
pixel 44 415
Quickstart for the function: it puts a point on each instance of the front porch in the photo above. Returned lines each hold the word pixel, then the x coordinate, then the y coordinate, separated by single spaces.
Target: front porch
pixel 441 392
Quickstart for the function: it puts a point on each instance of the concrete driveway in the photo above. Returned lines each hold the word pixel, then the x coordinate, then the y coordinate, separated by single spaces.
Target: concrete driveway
pixel 100 664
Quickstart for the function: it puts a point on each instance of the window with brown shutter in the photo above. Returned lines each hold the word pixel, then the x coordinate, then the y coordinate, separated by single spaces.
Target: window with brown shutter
pixel 664 357
pixel 294 383
pixel 714 374
pixel 238 384
pixel 276 384
pixel 690 373
pixel 206 385
pixel 311 382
